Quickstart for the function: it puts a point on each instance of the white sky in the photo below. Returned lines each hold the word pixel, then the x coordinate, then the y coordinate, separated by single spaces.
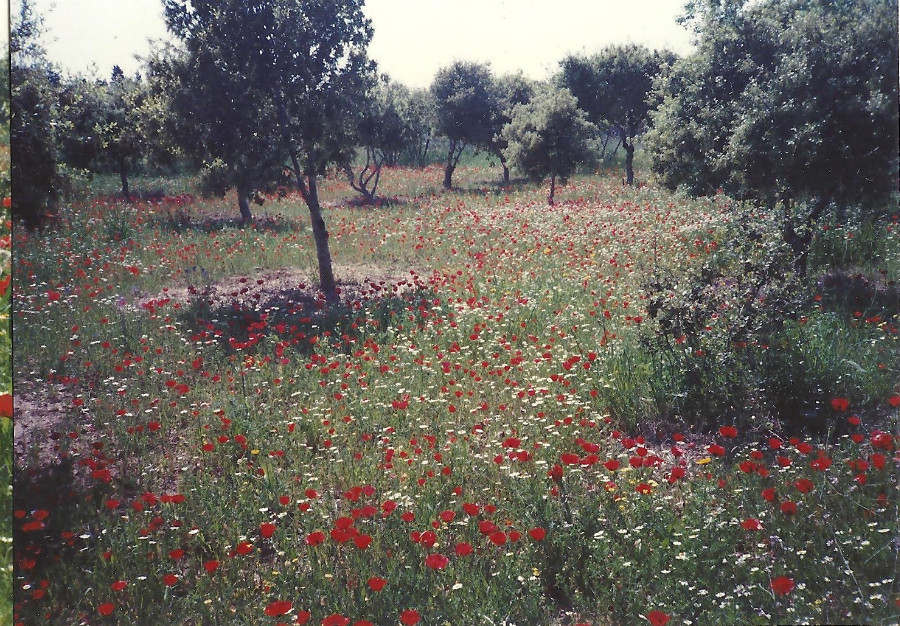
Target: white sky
pixel 413 38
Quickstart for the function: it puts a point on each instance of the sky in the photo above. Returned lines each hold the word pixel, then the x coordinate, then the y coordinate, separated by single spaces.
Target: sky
pixel 413 38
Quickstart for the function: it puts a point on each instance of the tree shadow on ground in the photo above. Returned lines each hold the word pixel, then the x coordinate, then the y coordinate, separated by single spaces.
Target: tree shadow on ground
pixel 299 317
pixel 494 187
pixel 180 221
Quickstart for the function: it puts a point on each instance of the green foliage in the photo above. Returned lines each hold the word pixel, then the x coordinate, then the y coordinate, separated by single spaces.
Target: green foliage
pixel 466 106
pixel 511 90
pixel 548 136
pixel 227 126
pixel 613 88
pixel 36 181
pixel 789 104
pixel 739 339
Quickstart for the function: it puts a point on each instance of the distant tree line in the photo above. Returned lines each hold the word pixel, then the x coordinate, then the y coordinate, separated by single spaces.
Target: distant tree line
pixel 792 105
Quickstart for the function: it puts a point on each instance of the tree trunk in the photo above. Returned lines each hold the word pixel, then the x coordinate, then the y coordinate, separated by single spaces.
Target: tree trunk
pixel 629 160
pixel 505 170
pixel 123 177
pixel 552 189
pixel 320 235
pixel 310 195
pixel 448 169
pixel 801 242
pixel 244 206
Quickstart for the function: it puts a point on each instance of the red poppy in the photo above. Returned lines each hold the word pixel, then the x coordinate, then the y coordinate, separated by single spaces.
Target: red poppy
pixel 169 580
pixel 768 494
pixel 335 619
pixel 119 585
pixel 362 541
pixel 376 584
pixel 410 617
pixel 716 450
pixel 782 585
pixel 436 561
pixel 644 488
pixel 657 618
pixel 728 431
pixel 803 447
pixel 486 526
pixel 840 404
pixel 751 524
pixel 555 473
pixel 470 509
pixel 278 607
pixel 804 485
pixel 6 405
pixel 245 547
pixel 464 549
pixel 537 534
pixel 266 529
pixel 211 566
pixel 788 507
pixel 881 440
pixel 497 538
pixel 106 608
pixel 612 465
pixel 315 538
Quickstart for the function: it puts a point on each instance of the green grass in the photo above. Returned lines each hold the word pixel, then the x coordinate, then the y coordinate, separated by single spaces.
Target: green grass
pixel 486 422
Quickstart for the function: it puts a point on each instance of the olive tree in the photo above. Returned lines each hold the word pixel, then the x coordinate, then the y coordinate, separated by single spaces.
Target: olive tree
pixel 790 105
pixel 380 132
pixel 274 80
pixel 612 87
pixel 419 125
pixel 549 136
pixel 509 91
pixel 466 106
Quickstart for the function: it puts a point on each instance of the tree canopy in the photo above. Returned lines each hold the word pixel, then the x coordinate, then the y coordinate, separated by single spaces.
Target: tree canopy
pixel 270 80
pixel 793 105
pixel 34 111
pixel 549 136
pixel 509 91
pixel 466 106
pixel 613 88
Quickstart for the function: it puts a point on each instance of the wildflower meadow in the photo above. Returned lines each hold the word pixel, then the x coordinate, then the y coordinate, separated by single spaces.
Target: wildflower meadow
pixel 485 430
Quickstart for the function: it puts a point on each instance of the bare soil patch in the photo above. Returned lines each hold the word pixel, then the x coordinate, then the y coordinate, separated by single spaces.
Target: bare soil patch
pixel 45 431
